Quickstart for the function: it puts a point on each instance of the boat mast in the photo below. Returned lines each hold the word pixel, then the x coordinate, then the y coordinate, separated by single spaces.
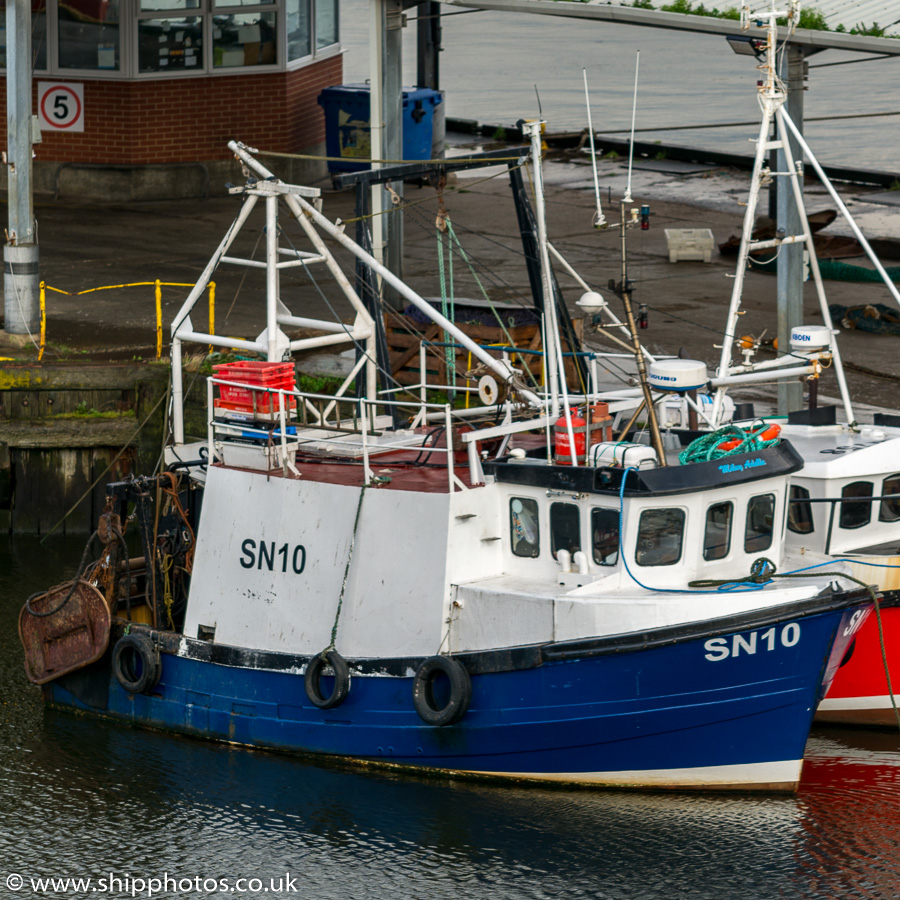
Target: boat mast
pixel 772 95
pixel 623 289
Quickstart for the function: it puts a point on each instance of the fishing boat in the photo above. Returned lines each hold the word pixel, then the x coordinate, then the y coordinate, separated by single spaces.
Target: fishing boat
pixel 845 501
pixel 370 578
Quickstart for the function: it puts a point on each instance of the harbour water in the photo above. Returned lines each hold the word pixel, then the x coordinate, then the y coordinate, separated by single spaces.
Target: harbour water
pixel 492 63
pixel 83 798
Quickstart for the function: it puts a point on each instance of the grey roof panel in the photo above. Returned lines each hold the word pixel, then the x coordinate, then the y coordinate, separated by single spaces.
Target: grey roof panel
pixel 849 13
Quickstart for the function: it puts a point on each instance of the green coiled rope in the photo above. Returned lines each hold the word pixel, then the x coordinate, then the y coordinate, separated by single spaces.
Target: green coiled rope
pixel 707 446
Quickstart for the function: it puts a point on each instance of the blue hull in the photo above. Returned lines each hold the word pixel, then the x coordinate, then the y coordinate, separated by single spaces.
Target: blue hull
pixel 718 709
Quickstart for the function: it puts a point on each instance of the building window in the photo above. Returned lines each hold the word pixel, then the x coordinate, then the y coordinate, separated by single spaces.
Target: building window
pixel 760 523
pixel 523 527
pixel 38 34
pixel 119 39
pixel 299 29
pixel 890 506
pixel 717 537
pixel 856 512
pixel 660 536
pixel 244 39
pixel 326 23
pixel 167 44
pixel 605 536
pixel 800 517
pixel 88 35
pixel 565 528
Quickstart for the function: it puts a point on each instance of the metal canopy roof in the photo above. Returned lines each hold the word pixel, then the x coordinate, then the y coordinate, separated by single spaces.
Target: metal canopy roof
pixel 849 13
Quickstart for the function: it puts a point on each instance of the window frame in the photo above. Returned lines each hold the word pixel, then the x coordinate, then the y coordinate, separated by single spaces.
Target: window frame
pixel 800 503
pixel 657 509
pixel 130 16
pixel 850 501
pixel 600 562
pixel 537 525
pixel 884 490
pixel 768 546
pixel 728 533
pixel 554 551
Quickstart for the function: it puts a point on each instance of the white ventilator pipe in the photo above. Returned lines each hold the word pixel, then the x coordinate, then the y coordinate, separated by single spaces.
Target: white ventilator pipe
pixel 599 218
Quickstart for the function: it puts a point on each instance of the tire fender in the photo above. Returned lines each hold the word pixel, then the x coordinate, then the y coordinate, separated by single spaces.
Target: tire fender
pixel 136 663
pixel 312 680
pixel 423 690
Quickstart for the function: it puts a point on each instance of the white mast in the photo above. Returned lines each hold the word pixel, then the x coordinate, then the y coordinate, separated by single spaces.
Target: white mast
pixel 772 95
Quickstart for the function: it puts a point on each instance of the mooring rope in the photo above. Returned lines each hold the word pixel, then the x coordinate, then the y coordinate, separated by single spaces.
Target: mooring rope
pixel 337 614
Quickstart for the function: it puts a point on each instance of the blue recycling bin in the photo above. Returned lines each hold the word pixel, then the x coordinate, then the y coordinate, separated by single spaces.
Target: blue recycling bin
pixel 348 136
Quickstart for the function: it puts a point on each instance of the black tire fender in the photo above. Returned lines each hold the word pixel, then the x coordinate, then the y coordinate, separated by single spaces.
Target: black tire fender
pixel 136 663
pixel 312 680
pixel 423 690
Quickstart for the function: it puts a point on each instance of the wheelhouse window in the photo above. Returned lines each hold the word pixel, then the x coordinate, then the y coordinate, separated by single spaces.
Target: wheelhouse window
pixel 717 535
pixel 523 527
pixel 890 506
pixel 565 528
pixel 856 504
pixel 760 523
pixel 605 536
pixel 660 537
pixel 800 518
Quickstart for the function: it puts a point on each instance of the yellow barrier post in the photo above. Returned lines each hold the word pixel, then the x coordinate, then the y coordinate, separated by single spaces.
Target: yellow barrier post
pixel 212 311
pixel 43 320
pixel 158 318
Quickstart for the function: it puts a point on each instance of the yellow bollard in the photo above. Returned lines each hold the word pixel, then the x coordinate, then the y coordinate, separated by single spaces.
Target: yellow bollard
pixel 158 318
pixel 43 320
pixel 212 311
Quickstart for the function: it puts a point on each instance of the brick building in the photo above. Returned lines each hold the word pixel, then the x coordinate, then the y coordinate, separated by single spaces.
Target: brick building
pixel 154 89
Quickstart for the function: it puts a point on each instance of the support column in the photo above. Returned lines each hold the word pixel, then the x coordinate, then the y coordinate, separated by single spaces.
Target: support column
pixel 790 258
pixel 392 137
pixel 428 35
pixel 21 264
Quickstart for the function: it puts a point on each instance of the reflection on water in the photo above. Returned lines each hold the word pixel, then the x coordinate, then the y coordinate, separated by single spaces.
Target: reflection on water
pixel 87 797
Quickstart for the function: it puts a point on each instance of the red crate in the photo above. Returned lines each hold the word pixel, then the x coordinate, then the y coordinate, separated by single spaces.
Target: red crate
pixel 266 375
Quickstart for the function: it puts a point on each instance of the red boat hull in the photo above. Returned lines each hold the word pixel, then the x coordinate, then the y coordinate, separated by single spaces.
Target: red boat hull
pixel 859 694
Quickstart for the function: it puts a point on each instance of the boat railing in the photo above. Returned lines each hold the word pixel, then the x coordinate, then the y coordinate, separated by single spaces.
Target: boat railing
pixel 834 503
pixel 357 433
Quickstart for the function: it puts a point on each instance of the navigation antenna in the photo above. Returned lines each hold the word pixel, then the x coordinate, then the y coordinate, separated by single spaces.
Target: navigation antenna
pixel 599 218
pixel 637 66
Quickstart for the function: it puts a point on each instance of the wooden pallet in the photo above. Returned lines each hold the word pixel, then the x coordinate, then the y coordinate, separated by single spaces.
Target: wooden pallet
pixel 404 335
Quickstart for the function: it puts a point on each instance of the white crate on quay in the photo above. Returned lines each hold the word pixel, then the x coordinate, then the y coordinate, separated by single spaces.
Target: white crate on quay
pixel 689 244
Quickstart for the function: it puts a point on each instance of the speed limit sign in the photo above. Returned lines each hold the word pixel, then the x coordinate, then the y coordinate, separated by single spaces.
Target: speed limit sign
pixel 60 106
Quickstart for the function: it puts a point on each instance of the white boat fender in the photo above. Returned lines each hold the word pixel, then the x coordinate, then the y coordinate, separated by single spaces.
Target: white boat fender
pixel 312 680
pixel 423 690
pixel 136 663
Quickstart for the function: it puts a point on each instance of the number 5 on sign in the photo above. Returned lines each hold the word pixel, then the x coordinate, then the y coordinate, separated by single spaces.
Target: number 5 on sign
pixel 60 106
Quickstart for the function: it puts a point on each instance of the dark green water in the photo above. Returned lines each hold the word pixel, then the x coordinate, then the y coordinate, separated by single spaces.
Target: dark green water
pixel 82 798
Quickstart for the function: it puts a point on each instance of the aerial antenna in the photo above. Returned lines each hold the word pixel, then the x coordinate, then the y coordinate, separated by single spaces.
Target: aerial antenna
pixel 599 218
pixel 540 111
pixel 637 66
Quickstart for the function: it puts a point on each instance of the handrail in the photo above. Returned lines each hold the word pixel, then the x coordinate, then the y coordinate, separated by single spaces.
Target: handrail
pixel 365 431
pixel 44 287
pixel 834 501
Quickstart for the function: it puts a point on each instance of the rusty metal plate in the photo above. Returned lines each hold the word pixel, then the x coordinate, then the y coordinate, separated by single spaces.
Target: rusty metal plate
pixel 73 637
